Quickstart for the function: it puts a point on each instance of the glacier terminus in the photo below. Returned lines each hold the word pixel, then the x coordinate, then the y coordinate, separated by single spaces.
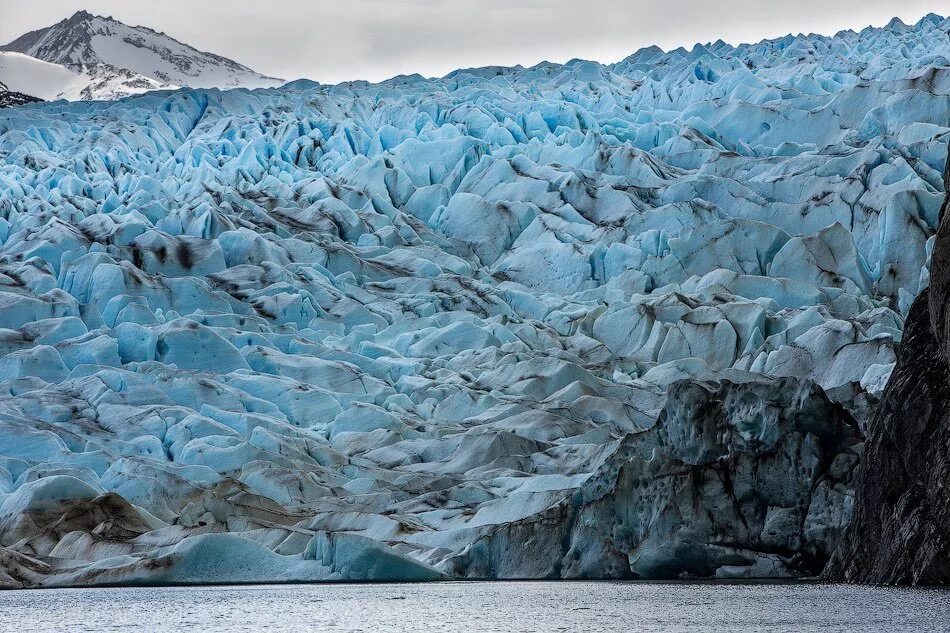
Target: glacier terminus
pixel 577 320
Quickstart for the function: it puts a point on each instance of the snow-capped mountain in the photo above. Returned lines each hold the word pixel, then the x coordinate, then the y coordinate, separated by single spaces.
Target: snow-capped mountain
pixel 92 57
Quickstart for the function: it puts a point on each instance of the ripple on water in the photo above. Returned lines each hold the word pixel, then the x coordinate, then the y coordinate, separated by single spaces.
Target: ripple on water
pixel 487 607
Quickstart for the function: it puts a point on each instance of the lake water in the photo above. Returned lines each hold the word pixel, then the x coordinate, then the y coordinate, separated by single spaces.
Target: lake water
pixel 486 607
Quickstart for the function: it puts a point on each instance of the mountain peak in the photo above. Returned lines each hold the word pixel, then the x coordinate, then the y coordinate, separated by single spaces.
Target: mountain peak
pixel 78 18
pixel 83 16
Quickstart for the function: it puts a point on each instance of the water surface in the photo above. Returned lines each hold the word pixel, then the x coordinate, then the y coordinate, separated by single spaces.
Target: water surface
pixel 487 607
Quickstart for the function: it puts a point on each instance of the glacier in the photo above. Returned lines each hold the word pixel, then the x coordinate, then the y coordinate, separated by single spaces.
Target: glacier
pixel 566 321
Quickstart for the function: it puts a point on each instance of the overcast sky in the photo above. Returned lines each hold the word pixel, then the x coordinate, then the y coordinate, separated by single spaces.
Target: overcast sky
pixel 336 40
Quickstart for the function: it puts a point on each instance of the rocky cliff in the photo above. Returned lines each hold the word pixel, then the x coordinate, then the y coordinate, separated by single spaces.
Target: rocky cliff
pixel 10 98
pixel 899 533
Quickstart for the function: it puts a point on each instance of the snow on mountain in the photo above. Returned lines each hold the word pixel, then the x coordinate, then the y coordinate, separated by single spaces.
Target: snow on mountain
pixel 92 57
pixel 50 82
pixel 38 78
pixel 41 79
pixel 11 98
pixel 567 321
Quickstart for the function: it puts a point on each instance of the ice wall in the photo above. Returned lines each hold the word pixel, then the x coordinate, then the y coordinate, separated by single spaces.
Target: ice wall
pixel 505 323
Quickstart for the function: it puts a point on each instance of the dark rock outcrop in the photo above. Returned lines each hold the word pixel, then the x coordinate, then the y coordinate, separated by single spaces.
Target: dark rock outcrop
pixel 900 532
pixel 11 99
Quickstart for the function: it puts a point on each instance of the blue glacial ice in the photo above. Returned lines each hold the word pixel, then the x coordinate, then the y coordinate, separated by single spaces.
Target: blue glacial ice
pixel 565 321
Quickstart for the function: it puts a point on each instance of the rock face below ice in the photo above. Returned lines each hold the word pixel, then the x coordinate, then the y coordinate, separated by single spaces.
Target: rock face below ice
pixel 899 535
pixel 565 321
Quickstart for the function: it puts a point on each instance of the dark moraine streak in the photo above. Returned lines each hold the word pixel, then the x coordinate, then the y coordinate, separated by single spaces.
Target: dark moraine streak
pixel 900 533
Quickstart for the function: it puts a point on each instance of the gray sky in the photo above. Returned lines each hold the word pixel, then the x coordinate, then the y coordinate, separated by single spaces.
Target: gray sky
pixel 336 40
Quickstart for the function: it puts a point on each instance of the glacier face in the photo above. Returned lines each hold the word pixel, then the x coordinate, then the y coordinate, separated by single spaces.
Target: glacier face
pixel 564 321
